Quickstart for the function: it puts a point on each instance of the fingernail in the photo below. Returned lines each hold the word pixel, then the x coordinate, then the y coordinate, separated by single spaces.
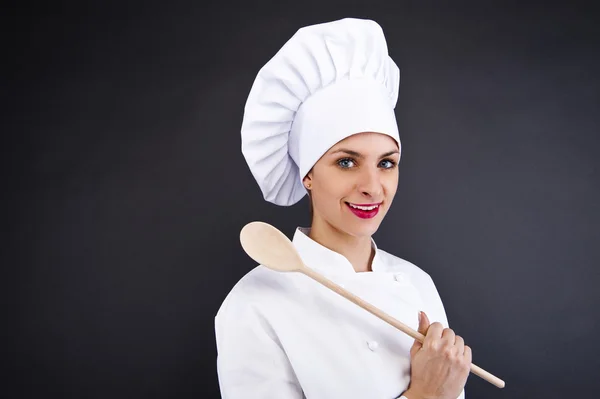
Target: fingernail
pixel 420 316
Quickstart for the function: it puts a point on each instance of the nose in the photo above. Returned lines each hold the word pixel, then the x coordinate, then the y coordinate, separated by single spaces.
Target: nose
pixel 369 183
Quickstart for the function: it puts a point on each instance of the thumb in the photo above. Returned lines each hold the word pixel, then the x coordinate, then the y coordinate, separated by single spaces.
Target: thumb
pixel 423 327
pixel 424 323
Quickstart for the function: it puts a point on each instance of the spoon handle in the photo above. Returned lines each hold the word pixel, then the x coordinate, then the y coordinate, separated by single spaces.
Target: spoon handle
pixel 390 320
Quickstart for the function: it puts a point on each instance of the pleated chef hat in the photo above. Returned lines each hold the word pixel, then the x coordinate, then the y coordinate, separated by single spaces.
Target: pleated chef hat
pixel 328 82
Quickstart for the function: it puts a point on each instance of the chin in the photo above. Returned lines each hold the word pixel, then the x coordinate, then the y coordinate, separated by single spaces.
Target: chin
pixel 363 228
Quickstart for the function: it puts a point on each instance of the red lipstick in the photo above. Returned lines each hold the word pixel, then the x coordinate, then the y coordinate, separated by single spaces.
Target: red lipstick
pixel 362 213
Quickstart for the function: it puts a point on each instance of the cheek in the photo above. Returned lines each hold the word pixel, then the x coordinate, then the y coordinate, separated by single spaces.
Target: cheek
pixel 330 194
pixel 391 184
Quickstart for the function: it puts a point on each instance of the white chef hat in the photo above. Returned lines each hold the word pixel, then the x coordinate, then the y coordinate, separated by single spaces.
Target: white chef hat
pixel 328 82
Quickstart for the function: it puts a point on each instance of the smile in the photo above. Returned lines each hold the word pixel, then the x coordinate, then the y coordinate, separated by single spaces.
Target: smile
pixel 364 211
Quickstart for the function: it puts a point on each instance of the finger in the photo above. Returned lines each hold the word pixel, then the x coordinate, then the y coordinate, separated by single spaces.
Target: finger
pixel 415 348
pixel 423 326
pixel 423 323
pixel 434 336
pixel 459 343
pixel 468 354
pixel 448 336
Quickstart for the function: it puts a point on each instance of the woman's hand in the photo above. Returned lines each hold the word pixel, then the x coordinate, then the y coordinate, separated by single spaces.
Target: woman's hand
pixel 440 365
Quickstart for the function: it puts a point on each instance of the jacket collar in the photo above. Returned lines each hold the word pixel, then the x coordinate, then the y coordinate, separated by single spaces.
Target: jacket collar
pixel 326 261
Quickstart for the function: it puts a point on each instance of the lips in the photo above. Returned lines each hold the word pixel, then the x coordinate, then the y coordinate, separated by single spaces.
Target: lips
pixel 364 211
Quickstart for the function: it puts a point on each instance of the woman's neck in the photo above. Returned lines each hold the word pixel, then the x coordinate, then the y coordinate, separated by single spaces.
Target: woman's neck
pixel 357 250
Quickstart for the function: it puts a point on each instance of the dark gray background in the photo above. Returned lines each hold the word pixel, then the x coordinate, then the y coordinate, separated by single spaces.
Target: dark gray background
pixel 126 188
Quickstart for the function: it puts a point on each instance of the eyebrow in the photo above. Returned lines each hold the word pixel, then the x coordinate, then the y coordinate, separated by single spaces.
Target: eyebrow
pixel 359 155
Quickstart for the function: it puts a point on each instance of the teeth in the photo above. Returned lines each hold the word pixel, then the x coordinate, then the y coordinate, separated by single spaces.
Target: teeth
pixel 364 208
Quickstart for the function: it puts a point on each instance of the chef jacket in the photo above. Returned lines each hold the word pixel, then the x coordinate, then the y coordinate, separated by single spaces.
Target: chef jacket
pixel 283 335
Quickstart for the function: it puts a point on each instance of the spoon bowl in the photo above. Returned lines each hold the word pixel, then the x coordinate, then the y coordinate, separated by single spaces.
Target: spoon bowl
pixel 270 247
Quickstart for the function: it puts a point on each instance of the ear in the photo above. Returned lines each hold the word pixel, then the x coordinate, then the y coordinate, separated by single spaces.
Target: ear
pixel 307 181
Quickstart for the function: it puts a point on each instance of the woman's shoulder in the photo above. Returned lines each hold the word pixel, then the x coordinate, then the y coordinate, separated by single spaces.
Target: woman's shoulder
pixel 393 263
pixel 261 280
pixel 420 279
pixel 259 286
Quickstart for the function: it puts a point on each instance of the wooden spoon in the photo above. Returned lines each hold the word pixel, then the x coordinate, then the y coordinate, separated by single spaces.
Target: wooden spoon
pixel 273 249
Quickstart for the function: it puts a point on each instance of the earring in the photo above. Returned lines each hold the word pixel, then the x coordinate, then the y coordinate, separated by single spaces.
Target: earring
pixel 308 186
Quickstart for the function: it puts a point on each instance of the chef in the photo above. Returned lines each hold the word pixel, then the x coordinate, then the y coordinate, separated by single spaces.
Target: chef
pixel 319 120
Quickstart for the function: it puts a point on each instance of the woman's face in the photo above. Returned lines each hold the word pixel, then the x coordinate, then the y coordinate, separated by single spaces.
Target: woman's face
pixel 358 172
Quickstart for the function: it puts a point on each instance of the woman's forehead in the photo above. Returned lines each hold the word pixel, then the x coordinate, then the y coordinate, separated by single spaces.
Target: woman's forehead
pixel 366 142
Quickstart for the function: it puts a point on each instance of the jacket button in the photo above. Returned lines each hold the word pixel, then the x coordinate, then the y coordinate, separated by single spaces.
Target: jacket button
pixel 373 345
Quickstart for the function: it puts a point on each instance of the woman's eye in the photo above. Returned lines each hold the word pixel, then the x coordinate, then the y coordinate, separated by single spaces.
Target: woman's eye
pixel 387 164
pixel 346 163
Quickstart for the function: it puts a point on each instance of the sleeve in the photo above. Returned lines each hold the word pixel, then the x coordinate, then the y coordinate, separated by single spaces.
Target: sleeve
pixel 438 313
pixel 250 360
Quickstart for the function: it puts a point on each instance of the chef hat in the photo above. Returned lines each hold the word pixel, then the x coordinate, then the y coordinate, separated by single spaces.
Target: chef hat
pixel 328 82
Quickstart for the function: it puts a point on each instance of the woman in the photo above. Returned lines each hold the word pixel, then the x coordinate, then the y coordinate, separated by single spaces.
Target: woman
pixel 320 120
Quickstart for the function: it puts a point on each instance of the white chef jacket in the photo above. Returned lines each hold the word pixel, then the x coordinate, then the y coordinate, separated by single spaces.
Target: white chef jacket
pixel 283 335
